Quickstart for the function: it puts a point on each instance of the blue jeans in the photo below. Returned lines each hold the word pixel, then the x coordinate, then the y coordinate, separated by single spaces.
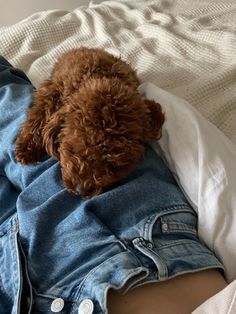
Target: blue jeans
pixel 59 253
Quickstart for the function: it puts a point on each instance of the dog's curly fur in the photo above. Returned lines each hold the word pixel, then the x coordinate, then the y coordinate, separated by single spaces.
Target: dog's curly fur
pixel 90 116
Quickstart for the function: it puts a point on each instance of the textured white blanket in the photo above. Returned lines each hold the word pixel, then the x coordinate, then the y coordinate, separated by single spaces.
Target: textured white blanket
pixel 185 47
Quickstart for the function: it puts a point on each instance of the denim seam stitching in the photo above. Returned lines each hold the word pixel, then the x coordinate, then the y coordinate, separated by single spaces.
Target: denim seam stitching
pixel 153 218
pixel 91 273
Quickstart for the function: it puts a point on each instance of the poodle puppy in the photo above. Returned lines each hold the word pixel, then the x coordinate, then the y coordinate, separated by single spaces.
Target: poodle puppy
pixel 89 116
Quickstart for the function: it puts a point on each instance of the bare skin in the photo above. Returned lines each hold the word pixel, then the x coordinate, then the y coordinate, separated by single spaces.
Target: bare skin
pixel 180 295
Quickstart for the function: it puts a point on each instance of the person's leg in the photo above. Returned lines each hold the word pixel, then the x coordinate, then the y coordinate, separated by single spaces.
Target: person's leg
pixel 180 295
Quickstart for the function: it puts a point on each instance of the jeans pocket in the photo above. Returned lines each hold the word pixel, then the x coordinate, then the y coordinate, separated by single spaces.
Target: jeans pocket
pixel 179 222
pixel 171 227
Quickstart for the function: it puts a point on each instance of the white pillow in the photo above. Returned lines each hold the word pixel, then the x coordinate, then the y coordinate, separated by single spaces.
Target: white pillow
pixel 203 160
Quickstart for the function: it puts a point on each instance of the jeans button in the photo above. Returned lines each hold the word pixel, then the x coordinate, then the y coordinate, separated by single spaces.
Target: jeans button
pixel 86 307
pixel 57 305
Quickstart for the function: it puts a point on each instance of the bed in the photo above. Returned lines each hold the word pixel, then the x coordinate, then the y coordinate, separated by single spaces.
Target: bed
pixel 184 52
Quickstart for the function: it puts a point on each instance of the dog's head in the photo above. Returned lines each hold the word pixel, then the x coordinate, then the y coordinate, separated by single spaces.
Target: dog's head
pixel 101 135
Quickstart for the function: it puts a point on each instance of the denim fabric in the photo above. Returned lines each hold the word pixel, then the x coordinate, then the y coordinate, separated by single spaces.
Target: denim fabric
pixel 56 247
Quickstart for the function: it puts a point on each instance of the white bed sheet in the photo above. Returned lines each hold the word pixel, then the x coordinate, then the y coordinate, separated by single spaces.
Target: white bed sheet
pixel 223 302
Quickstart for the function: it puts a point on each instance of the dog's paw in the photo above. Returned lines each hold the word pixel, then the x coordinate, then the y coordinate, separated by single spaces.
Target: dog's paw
pixel 27 156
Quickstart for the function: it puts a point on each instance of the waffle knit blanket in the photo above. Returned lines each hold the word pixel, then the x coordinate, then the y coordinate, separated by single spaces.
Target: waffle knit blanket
pixel 185 47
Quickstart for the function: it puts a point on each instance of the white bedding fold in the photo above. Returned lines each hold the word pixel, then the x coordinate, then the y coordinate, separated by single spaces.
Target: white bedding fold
pixel 223 302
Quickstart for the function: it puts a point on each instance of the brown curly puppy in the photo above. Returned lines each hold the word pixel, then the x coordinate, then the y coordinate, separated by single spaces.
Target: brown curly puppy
pixel 90 116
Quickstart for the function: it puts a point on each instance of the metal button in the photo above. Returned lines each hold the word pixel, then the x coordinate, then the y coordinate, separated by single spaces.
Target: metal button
pixel 86 307
pixel 149 245
pixel 141 240
pixel 57 305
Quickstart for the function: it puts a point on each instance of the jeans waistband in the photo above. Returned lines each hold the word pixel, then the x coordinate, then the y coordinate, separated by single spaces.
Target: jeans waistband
pixel 121 272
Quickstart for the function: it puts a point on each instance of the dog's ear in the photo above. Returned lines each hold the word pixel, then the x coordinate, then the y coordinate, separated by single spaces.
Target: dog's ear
pixel 29 143
pixel 51 133
pixel 156 118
